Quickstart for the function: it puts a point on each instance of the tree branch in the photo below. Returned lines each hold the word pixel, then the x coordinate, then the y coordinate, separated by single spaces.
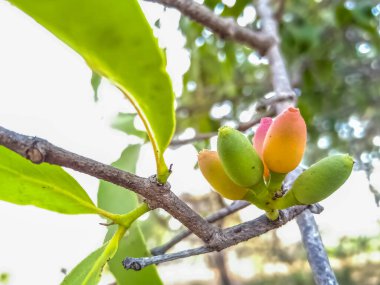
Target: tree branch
pixel 157 196
pixel 226 28
pixel 312 242
pixel 218 215
pixel 315 250
pixel 280 79
pixel 232 236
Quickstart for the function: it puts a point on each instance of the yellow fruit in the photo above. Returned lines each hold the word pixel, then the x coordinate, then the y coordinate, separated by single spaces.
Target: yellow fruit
pixel 285 142
pixel 212 170
pixel 239 159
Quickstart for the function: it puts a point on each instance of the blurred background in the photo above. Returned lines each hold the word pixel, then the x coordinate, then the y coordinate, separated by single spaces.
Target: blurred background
pixel 332 51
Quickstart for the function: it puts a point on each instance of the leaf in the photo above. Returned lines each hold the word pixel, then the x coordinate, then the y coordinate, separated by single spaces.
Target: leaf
pixel 125 122
pixel 95 82
pixel 117 42
pixel 114 198
pixel 119 200
pixel 133 245
pixel 79 273
pixel 88 271
pixel 45 186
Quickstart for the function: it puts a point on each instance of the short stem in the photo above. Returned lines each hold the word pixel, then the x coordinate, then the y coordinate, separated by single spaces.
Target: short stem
pixel 275 182
pixel 260 189
pixel 256 195
pixel 106 214
pixel 286 201
pixel 272 214
pixel 127 219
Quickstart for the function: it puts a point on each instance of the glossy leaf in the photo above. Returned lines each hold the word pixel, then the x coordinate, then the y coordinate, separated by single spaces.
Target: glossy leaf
pixel 117 42
pixel 88 271
pixel 79 273
pixel 119 200
pixel 45 186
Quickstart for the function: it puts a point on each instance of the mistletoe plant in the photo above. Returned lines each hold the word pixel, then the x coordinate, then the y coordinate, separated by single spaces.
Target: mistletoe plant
pixel 242 171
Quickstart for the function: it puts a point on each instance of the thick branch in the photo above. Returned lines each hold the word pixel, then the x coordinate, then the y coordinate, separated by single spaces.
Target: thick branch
pixel 226 28
pixel 315 250
pixel 218 215
pixel 231 236
pixel 38 150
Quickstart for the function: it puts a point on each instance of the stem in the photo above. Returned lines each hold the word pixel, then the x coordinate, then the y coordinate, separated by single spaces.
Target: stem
pixel 260 189
pixel 106 214
pixel 275 182
pixel 127 219
pixel 286 201
pixel 257 194
pixel 272 214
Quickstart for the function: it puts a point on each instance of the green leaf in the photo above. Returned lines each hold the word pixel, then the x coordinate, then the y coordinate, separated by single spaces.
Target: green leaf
pixel 88 271
pixel 95 82
pixel 125 122
pixel 133 245
pixel 117 42
pixel 114 198
pixel 119 200
pixel 45 186
pixel 79 273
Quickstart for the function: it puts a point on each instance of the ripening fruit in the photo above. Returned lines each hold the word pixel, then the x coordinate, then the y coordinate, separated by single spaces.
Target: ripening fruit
pixel 212 170
pixel 322 179
pixel 285 142
pixel 239 159
pixel 258 139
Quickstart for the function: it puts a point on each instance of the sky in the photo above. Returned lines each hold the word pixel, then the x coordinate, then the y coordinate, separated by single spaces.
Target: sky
pixel 45 91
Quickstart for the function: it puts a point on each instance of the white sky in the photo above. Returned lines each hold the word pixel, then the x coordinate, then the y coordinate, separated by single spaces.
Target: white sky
pixel 45 91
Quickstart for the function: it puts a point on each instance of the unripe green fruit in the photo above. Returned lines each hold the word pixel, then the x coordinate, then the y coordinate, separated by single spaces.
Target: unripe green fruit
pixel 322 179
pixel 239 159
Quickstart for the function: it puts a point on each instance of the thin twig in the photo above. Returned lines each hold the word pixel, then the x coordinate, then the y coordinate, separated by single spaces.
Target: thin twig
pixel 226 28
pixel 218 215
pixel 241 127
pixel 232 236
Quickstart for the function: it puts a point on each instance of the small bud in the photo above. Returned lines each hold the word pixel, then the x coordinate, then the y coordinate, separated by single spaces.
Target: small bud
pixel 285 141
pixel 212 170
pixel 258 139
pixel 239 159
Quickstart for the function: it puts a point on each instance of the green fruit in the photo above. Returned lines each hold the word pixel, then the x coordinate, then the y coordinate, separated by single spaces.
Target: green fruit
pixel 239 159
pixel 212 169
pixel 322 179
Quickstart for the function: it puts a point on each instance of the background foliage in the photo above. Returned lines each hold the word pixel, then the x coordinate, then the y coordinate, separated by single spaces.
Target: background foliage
pixel 332 52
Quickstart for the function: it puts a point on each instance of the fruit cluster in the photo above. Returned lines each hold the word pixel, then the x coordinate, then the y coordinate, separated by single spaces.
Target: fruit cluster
pixel 242 171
